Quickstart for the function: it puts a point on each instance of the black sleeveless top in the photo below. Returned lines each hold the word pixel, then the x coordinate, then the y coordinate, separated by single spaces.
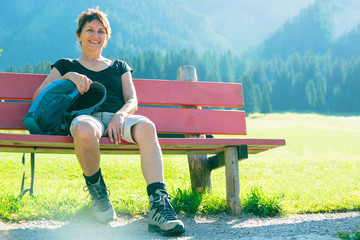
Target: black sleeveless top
pixel 109 77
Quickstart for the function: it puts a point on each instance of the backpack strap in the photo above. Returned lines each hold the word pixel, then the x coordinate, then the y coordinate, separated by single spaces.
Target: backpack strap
pixel 89 110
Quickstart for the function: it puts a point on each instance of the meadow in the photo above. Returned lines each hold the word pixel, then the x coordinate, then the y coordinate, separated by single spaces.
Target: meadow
pixel 317 171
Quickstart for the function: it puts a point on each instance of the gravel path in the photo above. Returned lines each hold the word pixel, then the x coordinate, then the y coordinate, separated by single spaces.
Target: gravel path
pixel 296 227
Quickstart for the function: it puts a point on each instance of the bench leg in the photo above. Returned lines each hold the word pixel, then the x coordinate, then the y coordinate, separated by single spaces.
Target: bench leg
pixel 31 189
pixel 218 160
pixel 200 173
pixel 232 180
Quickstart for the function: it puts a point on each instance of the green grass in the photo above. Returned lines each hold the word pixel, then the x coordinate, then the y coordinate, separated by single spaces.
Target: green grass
pixel 317 171
pixel 349 236
pixel 263 204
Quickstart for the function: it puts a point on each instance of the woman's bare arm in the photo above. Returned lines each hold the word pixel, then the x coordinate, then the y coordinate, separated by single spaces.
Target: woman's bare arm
pixel 82 82
pixel 115 128
pixel 53 75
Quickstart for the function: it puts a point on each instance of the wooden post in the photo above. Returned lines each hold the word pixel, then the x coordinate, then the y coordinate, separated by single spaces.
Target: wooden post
pixel 218 160
pixel 232 180
pixel 200 173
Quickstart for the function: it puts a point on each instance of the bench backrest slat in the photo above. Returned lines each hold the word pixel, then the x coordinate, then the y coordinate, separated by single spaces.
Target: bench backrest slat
pixel 165 92
pixel 15 86
pixel 19 86
pixel 196 121
pixel 167 120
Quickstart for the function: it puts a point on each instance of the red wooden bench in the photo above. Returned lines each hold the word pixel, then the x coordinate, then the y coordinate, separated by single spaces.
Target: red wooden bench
pixel 15 99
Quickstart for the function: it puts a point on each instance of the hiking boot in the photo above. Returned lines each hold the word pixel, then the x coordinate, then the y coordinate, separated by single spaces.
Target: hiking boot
pixel 103 210
pixel 162 215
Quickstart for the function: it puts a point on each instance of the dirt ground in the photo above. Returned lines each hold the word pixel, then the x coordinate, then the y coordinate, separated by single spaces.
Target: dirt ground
pixel 307 226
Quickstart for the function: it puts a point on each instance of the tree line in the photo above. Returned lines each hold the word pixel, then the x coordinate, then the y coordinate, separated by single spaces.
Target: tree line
pixel 299 83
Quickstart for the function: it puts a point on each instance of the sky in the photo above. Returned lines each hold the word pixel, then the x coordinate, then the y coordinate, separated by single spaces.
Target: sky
pixel 247 23
pixel 347 18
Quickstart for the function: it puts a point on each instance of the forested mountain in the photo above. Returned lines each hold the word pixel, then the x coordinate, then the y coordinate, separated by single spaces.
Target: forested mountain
pixel 348 45
pixel 38 30
pixel 313 29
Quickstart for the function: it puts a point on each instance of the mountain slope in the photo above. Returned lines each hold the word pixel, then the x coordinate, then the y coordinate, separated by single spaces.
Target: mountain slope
pixel 37 30
pixel 316 28
pixel 348 45
pixel 311 29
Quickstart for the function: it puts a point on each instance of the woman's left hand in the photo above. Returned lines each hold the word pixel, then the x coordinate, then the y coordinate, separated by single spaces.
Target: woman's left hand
pixel 115 129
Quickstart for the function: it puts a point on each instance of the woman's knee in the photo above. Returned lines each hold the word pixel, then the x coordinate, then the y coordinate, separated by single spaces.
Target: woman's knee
pixel 144 129
pixel 86 131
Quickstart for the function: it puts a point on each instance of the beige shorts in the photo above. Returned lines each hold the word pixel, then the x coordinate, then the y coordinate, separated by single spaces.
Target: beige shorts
pixel 100 121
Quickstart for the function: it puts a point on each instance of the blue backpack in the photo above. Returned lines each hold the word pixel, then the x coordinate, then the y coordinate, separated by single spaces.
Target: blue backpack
pixel 58 104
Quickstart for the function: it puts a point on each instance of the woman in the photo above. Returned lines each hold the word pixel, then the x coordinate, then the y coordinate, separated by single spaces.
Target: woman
pixel 116 120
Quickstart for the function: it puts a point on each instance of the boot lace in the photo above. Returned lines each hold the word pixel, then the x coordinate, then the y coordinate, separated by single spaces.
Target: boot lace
pixel 165 207
pixel 99 196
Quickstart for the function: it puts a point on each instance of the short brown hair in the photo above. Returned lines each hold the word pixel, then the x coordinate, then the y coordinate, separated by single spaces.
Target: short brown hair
pixel 90 15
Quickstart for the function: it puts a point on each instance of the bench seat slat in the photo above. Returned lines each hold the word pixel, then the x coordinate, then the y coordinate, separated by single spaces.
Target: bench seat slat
pixel 41 150
pixel 62 144
pixel 167 120
pixel 150 92
pixel 24 149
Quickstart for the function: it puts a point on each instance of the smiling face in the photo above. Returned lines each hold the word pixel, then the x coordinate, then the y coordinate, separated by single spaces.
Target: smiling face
pixel 93 36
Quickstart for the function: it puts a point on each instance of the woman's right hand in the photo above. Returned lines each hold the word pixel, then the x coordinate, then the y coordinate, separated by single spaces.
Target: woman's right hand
pixel 81 81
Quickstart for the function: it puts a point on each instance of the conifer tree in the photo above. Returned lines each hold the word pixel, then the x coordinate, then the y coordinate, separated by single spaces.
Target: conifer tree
pixel 265 106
